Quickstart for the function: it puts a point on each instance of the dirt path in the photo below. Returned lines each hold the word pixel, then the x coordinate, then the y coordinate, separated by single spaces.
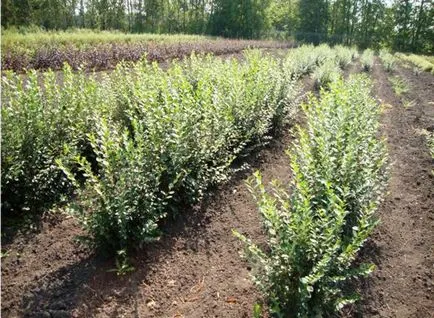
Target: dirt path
pixel 402 246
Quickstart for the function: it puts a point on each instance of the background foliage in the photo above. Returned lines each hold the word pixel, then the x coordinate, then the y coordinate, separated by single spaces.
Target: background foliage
pixel 403 25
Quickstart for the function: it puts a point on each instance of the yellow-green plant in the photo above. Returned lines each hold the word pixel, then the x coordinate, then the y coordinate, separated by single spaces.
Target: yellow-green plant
pixel 367 59
pixel 84 37
pixel 305 59
pixel 344 55
pixel 326 73
pixel 389 61
pixel 317 224
pixel 419 60
pixel 400 86
pixel 431 144
pixel 354 52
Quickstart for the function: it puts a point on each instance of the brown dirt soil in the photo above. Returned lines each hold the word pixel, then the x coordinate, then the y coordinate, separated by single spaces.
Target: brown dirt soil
pixel 402 245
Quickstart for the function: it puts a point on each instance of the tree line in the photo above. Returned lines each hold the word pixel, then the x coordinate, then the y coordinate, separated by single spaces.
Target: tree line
pixel 403 25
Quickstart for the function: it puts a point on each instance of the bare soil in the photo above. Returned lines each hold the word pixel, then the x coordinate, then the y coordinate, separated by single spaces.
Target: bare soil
pixel 402 246
pixel 195 270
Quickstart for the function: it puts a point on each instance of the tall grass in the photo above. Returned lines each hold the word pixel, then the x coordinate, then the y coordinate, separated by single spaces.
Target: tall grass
pixel 317 224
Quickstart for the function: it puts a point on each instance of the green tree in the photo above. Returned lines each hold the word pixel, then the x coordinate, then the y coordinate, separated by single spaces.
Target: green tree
pixel 313 21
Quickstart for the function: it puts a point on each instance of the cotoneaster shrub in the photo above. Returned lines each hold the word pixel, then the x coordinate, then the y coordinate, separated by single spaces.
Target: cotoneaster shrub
pixel 171 135
pixel 367 60
pixel 389 61
pixel 317 224
pixel 39 117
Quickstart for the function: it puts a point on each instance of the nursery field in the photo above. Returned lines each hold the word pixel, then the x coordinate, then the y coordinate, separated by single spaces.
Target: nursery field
pixel 103 50
pixel 291 183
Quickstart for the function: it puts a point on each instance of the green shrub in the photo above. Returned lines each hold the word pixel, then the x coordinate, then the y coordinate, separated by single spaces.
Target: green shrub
pixel 389 61
pixel 344 56
pixel 186 124
pixel 317 227
pixel 326 73
pixel 302 60
pixel 367 59
pixel 38 118
pixel 121 203
pixel 354 53
pixel 324 53
pixel 170 135
pixel 305 59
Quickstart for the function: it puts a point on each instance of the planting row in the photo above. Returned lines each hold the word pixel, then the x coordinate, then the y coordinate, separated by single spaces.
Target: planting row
pixel 317 224
pixel 141 142
pixel 104 55
pixel 421 62
pixel 31 39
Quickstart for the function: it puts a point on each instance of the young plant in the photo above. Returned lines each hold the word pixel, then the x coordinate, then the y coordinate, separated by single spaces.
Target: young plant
pixel 367 60
pixel 318 223
pixel 344 56
pixel 400 86
pixel 326 73
pixel 389 61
